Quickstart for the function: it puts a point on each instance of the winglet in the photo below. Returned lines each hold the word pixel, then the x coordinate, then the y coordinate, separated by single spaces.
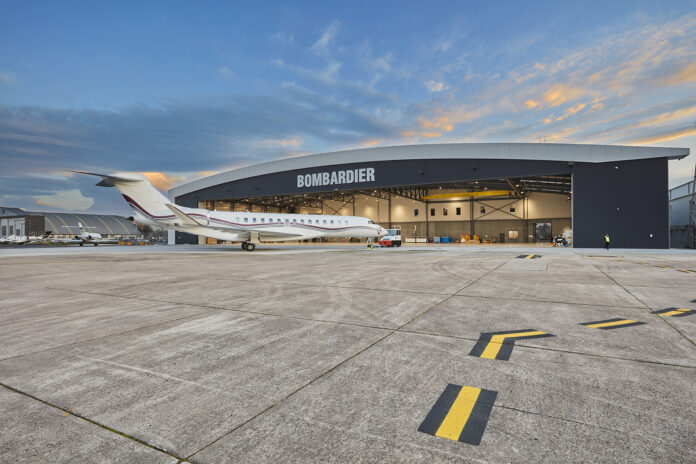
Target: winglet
pixel 185 218
pixel 108 179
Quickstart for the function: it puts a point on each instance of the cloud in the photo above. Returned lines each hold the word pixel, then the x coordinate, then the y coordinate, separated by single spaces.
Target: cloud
pixel 227 73
pixel 282 38
pixel 437 127
pixel 289 142
pixel 435 86
pixel 322 46
pixel 175 139
pixel 561 93
pixel 371 142
pixel 664 136
pixel 531 104
pixel 7 77
pixel 383 63
pixel 571 111
pixel 164 181
pixel 65 199
pixel 687 74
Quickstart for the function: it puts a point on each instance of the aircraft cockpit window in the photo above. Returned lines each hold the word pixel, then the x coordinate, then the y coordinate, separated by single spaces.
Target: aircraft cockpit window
pixel 371 222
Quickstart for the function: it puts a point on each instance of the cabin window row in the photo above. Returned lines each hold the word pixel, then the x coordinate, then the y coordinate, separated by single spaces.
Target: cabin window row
pixel 292 221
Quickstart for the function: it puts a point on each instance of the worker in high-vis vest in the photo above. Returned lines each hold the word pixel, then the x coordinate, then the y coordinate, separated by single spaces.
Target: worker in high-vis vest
pixel 607 241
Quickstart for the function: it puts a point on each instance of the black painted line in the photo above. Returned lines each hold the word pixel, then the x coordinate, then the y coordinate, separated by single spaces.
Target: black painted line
pixel 438 413
pixel 507 345
pixel 478 348
pixel 612 327
pixel 662 311
pixel 504 352
pixel 478 419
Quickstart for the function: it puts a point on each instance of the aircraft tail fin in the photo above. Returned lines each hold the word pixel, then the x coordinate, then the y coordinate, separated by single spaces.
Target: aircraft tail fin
pixel 137 190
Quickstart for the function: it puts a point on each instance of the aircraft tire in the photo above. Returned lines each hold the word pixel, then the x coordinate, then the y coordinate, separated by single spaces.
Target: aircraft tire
pixel 250 247
pixel 244 245
pixel 81 244
pixel 96 244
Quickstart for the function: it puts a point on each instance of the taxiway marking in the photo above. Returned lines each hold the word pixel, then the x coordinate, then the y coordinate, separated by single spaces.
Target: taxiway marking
pixel 498 345
pixel 676 312
pixel 460 414
pixel 610 324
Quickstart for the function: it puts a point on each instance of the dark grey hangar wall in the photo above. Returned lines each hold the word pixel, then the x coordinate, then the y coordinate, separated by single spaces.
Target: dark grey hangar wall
pixel 627 199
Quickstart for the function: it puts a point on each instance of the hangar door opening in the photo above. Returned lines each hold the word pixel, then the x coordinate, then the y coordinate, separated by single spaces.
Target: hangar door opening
pixel 517 210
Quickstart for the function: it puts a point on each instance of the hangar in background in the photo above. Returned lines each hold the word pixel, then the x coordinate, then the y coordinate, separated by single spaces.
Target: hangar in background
pixel 682 215
pixel 16 221
pixel 498 192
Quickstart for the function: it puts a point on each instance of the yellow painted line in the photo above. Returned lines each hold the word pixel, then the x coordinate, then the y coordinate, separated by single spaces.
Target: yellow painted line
pixel 676 311
pixel 529 257
pixel 663 266
pixel 458 414
pixel 609 324
pixel 686 270
pixel 496 342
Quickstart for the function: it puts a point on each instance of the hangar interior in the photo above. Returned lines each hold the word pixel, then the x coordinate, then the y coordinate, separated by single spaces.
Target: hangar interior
pixel 517 210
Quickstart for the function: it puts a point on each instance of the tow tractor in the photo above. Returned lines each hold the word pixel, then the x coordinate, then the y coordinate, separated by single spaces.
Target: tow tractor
pixel 392 238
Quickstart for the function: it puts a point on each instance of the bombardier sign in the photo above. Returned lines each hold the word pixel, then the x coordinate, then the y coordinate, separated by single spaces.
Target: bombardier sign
pixel 349 176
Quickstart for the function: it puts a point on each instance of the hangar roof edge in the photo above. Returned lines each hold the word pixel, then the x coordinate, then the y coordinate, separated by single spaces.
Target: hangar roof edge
pixel 518 151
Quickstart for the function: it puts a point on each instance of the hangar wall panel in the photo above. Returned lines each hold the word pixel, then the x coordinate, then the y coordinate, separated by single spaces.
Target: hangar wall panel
pixel 627 199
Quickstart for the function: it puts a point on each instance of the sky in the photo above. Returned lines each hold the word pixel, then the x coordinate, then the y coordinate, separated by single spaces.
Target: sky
pixel 181 90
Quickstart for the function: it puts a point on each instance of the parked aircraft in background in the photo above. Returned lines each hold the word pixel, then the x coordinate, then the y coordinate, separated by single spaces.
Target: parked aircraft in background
pixel 23 239
pixel 152 208
pixel 90 238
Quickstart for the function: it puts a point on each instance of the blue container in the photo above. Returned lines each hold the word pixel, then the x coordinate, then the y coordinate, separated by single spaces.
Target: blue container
pixel 445 239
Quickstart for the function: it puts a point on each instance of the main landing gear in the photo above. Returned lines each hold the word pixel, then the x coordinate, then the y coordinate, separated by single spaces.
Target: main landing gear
pixel 248 246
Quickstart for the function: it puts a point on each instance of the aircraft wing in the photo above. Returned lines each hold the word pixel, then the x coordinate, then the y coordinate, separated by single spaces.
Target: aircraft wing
pixel 185 219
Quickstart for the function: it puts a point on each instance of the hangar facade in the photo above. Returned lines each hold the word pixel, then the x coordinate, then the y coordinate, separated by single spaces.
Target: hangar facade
pixel 63 225
pixel 495 192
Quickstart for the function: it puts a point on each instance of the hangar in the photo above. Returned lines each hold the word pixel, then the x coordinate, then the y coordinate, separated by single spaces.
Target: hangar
pixel 488 192
pixel 16 221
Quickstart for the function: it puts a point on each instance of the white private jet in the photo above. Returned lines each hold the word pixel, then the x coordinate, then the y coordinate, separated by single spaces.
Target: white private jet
pixel 153 208
pixel 91 238
pixel 23 239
